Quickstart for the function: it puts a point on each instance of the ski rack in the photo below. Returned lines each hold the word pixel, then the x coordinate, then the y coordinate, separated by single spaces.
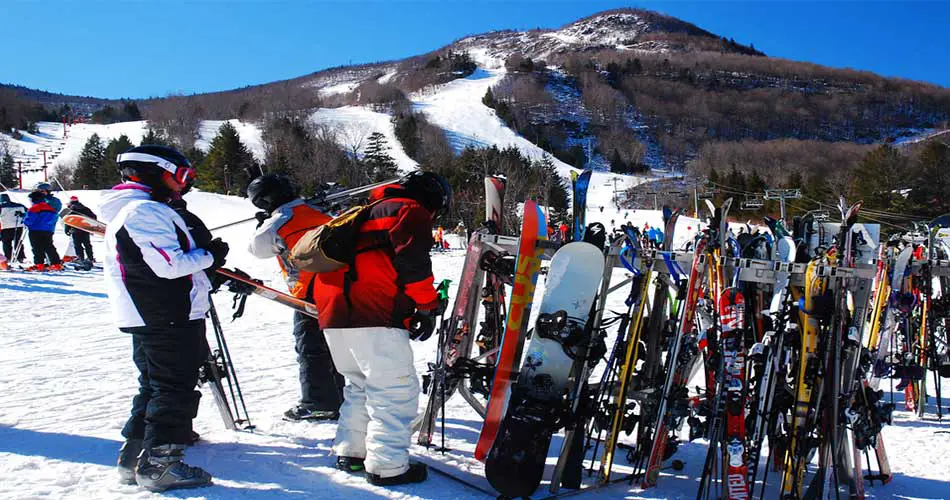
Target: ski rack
pixel 672 265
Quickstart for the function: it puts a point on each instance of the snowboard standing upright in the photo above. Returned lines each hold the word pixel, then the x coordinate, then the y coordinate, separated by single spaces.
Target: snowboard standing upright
pixel 580 204
pixel 527 265
pixel 538 406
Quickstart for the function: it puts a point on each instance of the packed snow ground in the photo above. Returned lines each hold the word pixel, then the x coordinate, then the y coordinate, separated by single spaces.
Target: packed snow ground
pixel 66 382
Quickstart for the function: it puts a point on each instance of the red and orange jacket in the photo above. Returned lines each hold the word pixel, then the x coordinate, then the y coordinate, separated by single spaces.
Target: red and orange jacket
pixel 278 235
pixel 390 276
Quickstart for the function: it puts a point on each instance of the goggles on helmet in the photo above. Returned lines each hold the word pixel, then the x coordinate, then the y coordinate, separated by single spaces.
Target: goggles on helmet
pixel 183 175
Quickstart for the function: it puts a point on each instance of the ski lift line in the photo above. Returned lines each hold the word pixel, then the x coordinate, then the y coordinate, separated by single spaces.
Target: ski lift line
pixel 880 213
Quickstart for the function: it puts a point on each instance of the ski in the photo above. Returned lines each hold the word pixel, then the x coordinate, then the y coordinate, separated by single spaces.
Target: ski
pixel 732 326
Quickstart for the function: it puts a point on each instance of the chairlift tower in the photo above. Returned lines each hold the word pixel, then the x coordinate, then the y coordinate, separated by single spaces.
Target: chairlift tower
pixel 781 195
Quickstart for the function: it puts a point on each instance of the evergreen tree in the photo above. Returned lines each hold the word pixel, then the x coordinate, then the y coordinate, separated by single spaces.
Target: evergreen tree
pixel 930 193
pixel 90 164
pixel 229 164
pixel 8 172
pixel 155 138
pixel 552 190
pixel 735 179
pixel 617 164
pixel 880 179
pixel 109 173
pixel 379 165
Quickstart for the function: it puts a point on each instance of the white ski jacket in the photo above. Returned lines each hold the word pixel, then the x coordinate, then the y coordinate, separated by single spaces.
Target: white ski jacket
pixel 153 272
pixel 11 215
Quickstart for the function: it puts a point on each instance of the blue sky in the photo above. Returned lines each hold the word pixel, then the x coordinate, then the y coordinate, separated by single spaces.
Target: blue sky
pixel 153 48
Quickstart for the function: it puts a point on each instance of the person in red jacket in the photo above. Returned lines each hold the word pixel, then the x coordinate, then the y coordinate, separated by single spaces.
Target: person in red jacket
pixel 370 310
pixel 284 219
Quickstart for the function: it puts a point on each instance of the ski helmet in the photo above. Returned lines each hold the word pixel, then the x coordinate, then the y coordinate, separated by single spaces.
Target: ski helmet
pixel 270 191
pixel 148 163
pixel 43 186
pixel 428 188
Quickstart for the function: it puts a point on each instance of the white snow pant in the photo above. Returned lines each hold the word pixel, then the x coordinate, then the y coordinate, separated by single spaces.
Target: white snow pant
pixel 381 397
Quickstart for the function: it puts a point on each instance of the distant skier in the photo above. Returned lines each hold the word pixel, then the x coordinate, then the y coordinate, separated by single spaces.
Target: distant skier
pixel 41 221
pixel 370 313
pixel 11 228
pixel 160 295
pixel 284 219
pixel 81 238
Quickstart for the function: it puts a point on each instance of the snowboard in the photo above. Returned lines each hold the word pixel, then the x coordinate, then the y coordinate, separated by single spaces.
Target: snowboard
pixel 97 227
pixel 527 265
pixel 537 407
pixel 580 204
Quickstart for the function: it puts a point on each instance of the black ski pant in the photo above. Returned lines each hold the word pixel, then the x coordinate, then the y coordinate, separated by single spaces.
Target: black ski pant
pixel 168 359
pixel 43 249
pixel 82 245
pixel 11 237
pixel 321 387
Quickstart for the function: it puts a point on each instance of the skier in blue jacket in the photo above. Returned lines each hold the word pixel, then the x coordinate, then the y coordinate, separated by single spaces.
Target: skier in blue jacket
pixel 41 221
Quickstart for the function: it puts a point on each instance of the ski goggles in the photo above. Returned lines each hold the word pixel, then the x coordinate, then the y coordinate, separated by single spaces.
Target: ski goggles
pixel 183 174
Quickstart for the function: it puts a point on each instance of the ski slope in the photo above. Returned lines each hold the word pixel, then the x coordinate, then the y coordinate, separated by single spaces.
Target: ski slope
pixel 66 382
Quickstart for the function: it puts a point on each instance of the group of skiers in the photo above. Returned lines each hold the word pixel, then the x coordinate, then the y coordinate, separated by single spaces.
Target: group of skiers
pixel 40 221
pixel 158 267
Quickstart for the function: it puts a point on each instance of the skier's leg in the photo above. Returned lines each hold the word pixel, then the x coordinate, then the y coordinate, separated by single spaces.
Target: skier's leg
pixel 392 397
pixel 7 236
pixel 173 355
pixel 76 238
pixel 134 429
pixel 354 417
pixel 321 387
pixel 87 244
pixel 135 426
pixel 39 252
pixel 51 253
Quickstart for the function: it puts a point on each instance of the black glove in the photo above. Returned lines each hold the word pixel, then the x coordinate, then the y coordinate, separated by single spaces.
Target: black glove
pixel 261 217
pixel 421 324
pixel 219 250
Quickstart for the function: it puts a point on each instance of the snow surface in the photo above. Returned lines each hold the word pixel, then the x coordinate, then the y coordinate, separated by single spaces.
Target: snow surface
pixel 66 381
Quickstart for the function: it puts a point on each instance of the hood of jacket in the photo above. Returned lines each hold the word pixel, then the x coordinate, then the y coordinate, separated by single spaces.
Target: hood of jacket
pixel 113 200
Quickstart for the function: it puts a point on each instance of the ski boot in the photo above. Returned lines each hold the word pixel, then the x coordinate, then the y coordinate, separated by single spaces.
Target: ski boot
pixel 161 468
pixel 301 412
pixel 36 268
pixel 350 464
pixel 128 456
pixel 55 267
pixel 417 473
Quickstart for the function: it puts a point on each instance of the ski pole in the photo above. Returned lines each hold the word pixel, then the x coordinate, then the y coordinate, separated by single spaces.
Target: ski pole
pixel 443 294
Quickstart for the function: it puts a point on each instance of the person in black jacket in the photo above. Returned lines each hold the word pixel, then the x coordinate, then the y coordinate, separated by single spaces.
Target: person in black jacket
pixel 81 238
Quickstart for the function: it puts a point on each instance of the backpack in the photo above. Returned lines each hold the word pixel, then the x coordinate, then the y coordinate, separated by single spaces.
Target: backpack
pixel 332 246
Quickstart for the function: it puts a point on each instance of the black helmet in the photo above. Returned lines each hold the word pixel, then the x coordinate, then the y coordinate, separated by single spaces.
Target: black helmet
pixel 270 191
pixel 147 163
pixel 428 188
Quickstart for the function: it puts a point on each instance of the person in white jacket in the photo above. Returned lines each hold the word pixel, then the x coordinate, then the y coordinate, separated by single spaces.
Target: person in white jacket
pixel 159 295
pixel 11 228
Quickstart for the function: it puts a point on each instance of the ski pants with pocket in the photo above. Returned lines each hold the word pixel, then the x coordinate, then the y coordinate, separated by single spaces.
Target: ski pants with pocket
pixel 381 398
pixel 321 387
pixel 82 245
pixel 43 249
pixel 11 237
pixel 168 359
